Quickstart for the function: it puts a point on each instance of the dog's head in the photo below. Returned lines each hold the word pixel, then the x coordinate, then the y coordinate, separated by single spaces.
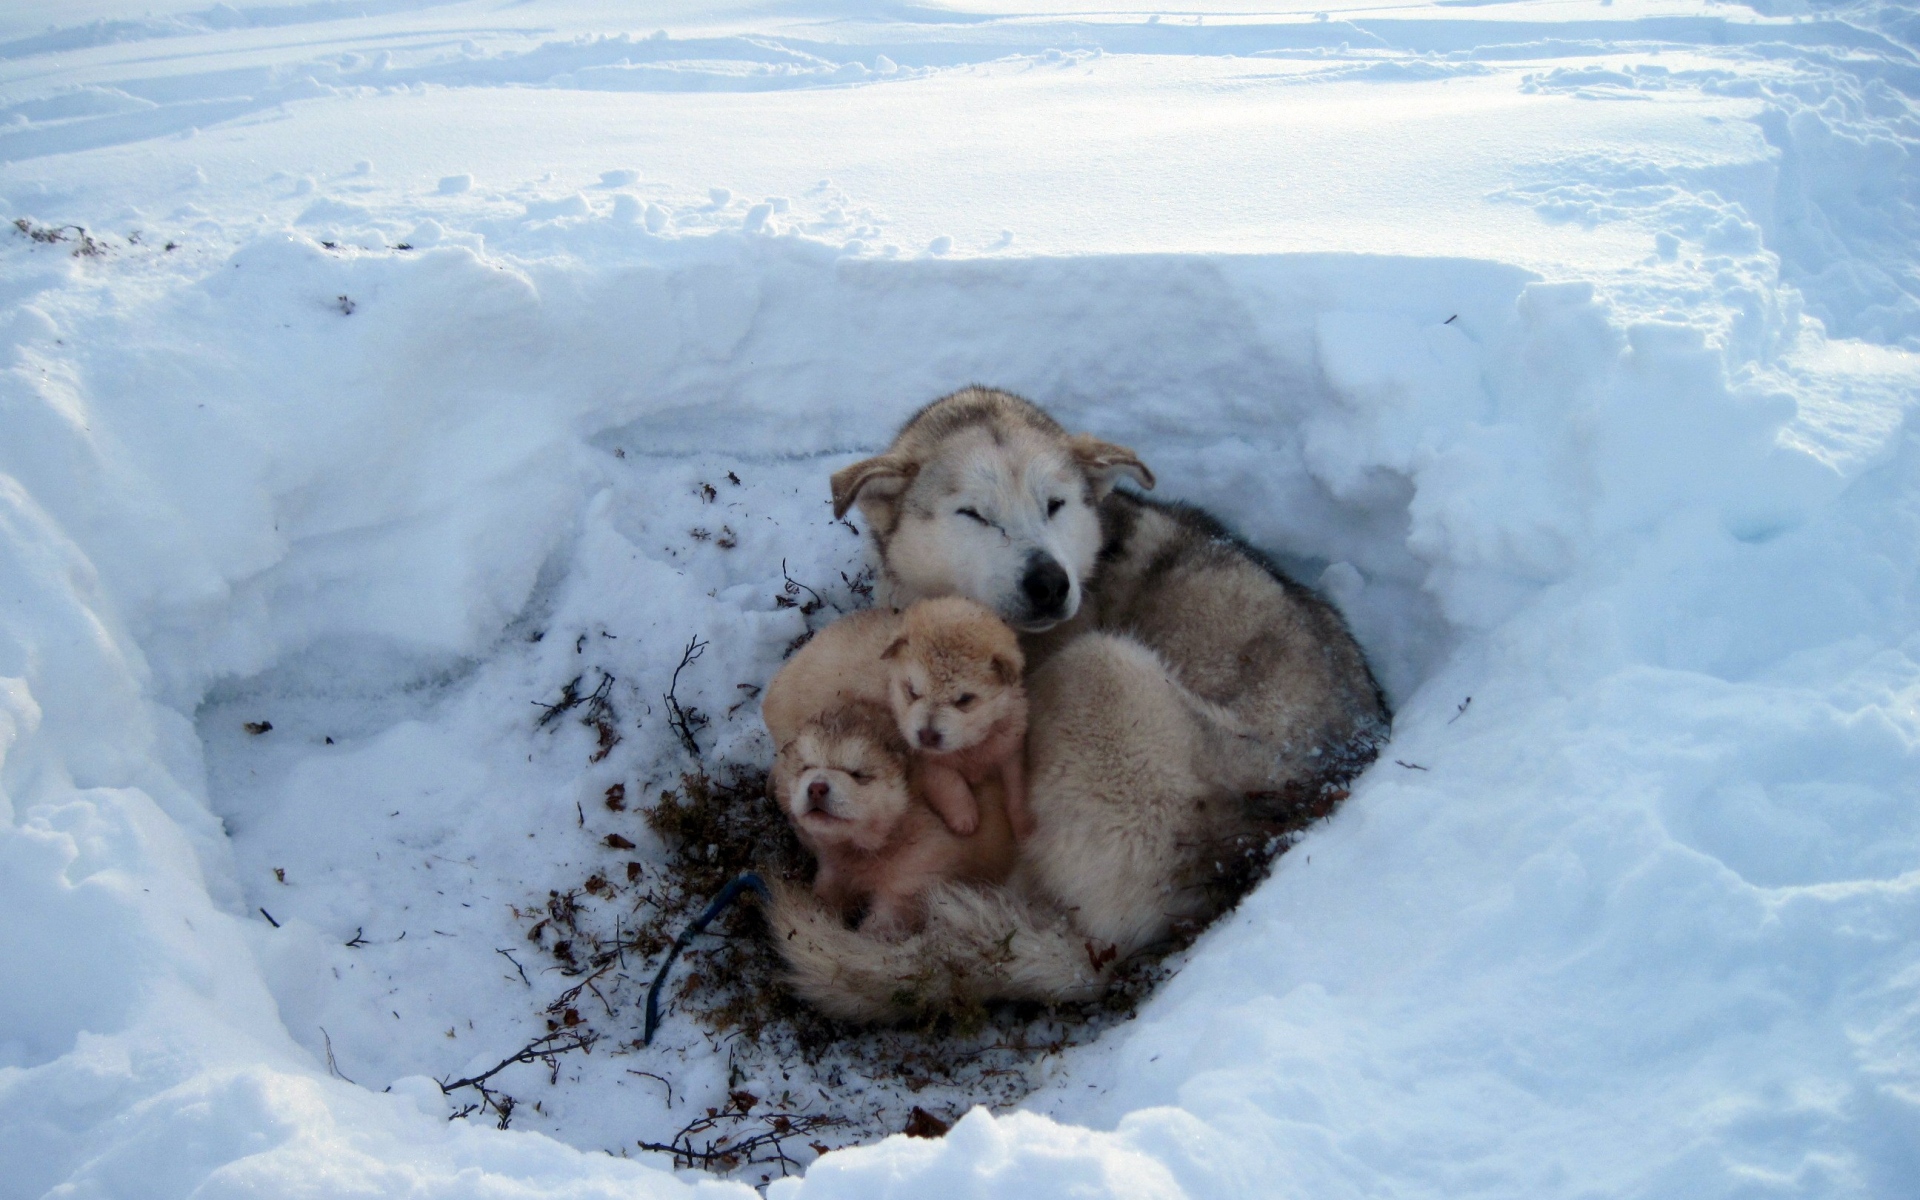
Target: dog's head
pixel 983 495
pixel 844 777
pixel 953 674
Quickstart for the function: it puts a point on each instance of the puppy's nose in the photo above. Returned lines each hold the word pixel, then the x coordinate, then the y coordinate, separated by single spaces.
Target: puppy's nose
pixel 1046 586
pixel 817 793
pixel 930 737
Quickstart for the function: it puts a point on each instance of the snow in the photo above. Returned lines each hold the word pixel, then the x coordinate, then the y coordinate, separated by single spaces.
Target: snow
pixel 1570 347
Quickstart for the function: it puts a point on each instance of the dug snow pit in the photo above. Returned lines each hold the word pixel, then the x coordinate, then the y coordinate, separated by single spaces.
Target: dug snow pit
pixel 513 684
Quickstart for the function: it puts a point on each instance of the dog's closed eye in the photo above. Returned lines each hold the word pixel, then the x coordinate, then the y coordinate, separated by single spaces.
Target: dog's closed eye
pixel 965 701
pixel 1055 505
pixel 972 515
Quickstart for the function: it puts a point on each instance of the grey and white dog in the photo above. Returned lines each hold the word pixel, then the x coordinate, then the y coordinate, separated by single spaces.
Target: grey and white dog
pixel 1176 677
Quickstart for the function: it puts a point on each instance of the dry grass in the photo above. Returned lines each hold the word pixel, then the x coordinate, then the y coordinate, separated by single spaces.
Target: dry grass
pixel 844 1084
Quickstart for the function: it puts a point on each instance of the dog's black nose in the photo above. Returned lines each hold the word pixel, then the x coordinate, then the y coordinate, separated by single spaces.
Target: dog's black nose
pixel 1046 586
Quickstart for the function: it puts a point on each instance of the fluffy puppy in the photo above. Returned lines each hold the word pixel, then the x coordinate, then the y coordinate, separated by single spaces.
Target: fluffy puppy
pixel 845 781
pixel 954 684
pixel 1128 825
pixel 838 666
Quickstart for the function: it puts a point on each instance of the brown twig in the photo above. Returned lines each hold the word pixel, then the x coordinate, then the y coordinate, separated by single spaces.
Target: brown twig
pixel 516 966
pixel 683 720
pixel 333 1068
pixel 601 718
pixel 659 1079
pixel 545 1049
pixel 790 594
pixel 570 699
pixel 730 1151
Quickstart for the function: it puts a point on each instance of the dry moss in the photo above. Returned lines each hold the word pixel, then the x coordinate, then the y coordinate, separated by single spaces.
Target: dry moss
pixel 846 1083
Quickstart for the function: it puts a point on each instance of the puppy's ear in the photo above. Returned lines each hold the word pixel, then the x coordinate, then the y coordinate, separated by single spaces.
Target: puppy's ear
pixel 1006 670
pixel 874 482
pixel 1105 462
pixel 898 648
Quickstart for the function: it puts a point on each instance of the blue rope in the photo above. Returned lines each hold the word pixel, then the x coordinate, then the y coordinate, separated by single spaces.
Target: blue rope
pixel 750 882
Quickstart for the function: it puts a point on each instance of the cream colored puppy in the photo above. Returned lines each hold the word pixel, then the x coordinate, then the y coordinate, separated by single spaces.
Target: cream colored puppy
pixel 845 781
pixel 1126 820
pixel 954 683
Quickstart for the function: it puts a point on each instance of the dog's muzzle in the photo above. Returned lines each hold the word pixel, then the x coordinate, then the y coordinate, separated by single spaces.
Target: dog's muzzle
pixel 1046 587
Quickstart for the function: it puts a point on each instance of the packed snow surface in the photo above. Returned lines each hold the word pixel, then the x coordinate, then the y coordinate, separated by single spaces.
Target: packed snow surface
pixel 372 370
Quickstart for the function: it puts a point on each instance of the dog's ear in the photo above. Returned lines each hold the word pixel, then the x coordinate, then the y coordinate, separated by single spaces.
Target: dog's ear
pixel 1006 670
pixel 1105 462
pixel 896 650
pixel 873 481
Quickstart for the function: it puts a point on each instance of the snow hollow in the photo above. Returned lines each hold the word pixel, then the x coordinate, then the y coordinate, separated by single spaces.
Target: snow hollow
pixel 307 519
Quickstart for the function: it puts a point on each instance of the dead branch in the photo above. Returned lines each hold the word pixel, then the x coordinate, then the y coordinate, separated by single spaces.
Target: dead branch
pixel 659 1079
pixel 861 585
pixel 89 247
pixel 516 966
pixel 790 594
pixel 545 1049
pixel 570 699
pixel 601 718
pixel 333 1068
pixel 682 720
pixel 730 1150
pixel 541 1049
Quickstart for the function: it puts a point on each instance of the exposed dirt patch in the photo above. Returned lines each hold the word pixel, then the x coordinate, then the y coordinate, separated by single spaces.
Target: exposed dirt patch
pixel 802 1083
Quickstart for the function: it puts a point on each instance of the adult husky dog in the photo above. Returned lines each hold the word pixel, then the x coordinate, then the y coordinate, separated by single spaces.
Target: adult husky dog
pixel 983 495
pixel 1212 680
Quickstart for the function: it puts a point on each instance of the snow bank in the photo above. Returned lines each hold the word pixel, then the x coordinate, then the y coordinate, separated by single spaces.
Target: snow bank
pixel 1626 908
pixel 1671 809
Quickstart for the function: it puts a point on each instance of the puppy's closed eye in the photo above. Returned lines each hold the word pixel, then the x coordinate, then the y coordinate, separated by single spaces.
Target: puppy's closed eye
pixel 965 701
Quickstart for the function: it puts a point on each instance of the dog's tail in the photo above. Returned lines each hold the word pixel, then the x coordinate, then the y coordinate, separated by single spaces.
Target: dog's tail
pixel 979 944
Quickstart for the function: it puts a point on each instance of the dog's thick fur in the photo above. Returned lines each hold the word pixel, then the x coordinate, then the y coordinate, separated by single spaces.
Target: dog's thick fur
pixel 1121 809
pixel 840 665
pixel 1173 673
pixel 975 944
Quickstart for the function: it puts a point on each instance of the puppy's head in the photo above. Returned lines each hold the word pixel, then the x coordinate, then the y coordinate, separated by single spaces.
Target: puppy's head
pixel 844 777
pixel 953 673
pixel 983 495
